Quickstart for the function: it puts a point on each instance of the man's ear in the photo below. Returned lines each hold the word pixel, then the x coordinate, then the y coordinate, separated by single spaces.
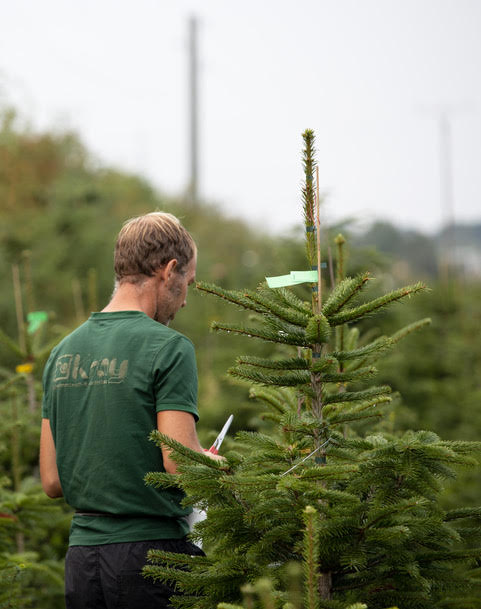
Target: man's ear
pixel 169 268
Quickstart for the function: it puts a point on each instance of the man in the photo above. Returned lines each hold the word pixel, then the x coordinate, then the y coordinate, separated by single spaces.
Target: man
pixel 106 386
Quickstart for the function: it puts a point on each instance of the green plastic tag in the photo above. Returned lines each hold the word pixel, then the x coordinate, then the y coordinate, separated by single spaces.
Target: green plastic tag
pixel 35 320
pixel 304 276
pixel 280 281
pixel 294 278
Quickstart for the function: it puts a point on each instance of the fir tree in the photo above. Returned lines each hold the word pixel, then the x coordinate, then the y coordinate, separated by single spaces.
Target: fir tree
pixel 358 508
pixel 33 529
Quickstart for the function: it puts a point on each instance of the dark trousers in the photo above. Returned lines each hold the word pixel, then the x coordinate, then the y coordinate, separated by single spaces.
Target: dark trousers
pixel 109 576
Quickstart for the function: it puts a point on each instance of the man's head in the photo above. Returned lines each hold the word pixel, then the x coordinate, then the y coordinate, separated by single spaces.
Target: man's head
pixel 147 243
pixel 156 256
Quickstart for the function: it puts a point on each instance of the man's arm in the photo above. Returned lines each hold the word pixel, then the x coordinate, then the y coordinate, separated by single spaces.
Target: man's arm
pixel 180 426
pixel 48 462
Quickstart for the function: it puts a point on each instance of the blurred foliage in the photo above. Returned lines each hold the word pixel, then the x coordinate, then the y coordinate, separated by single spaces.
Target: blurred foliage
pixel 59 215
pixel 439 374
pixel 33 528
pixel 409 251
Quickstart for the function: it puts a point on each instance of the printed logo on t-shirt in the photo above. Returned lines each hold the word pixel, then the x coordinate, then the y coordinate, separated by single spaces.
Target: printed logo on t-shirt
pixel 72 370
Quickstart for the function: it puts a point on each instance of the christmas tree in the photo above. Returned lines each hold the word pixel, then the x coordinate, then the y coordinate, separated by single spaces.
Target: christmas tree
pixel 33 529
pixel 358 508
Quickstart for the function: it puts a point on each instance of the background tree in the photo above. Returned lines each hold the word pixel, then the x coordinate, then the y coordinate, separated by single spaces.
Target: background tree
pixel 33 529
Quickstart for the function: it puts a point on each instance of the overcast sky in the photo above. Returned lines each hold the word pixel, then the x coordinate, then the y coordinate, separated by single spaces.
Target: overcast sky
pixel 369 76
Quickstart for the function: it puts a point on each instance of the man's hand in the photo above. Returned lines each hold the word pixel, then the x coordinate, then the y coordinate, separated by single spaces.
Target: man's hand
pixel 213 455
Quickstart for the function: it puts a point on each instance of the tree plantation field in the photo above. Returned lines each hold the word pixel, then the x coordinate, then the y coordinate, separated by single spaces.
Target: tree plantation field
pixel 59 215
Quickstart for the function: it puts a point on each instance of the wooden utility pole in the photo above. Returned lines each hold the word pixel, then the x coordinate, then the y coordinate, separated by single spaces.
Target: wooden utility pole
pixel 193 113
pixel 443 115
pixel 447 193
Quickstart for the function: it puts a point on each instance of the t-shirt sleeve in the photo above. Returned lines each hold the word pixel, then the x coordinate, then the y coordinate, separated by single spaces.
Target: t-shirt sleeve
pixel 175 377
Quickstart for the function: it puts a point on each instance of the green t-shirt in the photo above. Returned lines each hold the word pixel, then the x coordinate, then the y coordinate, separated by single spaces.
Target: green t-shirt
pixel 103 385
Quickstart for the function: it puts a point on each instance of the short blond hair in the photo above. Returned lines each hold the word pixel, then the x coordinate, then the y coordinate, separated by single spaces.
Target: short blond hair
pixel 147 243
